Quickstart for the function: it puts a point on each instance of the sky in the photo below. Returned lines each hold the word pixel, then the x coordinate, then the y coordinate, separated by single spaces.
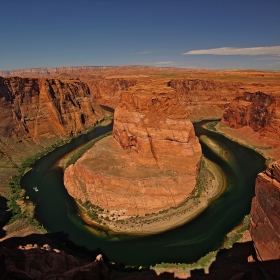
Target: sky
pixel 202 34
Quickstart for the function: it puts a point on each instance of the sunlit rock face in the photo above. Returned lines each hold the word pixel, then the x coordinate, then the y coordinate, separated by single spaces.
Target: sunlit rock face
pixel 258 110
pixel 265 225
pixel 37 108
pixel 149 164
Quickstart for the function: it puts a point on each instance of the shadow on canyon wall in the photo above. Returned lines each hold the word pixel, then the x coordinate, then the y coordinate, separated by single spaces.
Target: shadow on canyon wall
pixel 229 264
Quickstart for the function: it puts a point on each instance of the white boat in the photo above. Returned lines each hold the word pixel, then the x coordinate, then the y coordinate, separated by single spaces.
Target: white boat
pixel 35 189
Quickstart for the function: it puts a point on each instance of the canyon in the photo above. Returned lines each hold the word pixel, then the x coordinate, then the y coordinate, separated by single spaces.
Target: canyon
pixel 149 164
pixel 39 111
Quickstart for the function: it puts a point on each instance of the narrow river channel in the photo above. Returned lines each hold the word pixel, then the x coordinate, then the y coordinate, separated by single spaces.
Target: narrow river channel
pixel 56 210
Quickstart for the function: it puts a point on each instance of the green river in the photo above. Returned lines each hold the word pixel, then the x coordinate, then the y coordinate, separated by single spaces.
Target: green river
pixel 56 210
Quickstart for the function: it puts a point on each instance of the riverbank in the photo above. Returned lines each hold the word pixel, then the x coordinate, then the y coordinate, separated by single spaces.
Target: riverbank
pixel 210 185
pixel 268 147
pixel 73 156
pixel 22 222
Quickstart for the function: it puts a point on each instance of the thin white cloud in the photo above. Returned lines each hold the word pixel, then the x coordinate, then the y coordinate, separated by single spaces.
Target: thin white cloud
pixel 142 53
pixel 274 50
pixel 169 62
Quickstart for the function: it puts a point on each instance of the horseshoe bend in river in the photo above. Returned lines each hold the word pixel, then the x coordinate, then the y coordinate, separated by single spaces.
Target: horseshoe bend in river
pixel 57 211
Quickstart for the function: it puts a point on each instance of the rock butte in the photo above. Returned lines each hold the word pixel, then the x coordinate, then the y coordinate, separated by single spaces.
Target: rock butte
pixel 149 164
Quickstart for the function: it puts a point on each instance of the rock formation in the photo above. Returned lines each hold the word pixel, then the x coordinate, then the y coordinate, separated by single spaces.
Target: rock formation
pixel 37 113
pixel 256 117
pixel 38 108
pixel 150 164
pixel 49 71
pixel 205 99
pixel 256 110
pixel 265 225
pixel 35 262
pixel 109 91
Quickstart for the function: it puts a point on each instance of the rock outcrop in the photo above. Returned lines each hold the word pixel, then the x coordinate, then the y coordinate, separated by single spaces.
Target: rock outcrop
pixel 109 91
pixel 256 110
pixel 205 99
pixel 38 113
pixel 150 164
pixel 255 119
pixel 34 262
pixel 40 108
pixel 265 225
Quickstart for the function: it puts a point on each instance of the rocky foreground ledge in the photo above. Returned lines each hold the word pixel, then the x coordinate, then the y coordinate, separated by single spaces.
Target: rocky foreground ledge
pixel 149 165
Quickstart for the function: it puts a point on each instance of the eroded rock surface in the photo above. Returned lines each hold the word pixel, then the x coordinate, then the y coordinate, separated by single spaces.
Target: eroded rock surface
pixel 256 110
pixel 39 108
pixel 265 225
pixel 34 262
pixel 149 164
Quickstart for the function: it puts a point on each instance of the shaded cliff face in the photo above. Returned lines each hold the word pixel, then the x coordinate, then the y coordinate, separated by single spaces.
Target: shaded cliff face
pixel 150 164
pixel 265 225
pixel 256 110
pixel 35 262
pixel 42 108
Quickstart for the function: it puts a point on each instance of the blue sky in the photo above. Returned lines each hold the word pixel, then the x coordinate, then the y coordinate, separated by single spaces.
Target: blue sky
pixel 210 34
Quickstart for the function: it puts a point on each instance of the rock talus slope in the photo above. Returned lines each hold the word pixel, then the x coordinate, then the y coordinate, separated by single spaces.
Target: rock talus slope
pixel 151 163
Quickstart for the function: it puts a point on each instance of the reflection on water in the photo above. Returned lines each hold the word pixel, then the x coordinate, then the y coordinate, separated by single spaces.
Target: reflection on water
pixel 56 210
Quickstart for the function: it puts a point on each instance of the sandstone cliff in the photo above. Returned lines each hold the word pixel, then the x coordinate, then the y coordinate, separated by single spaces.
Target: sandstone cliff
pixel 36 113
pixel 109 91
pixel 150 164
pixel 256 110
pixel 265 225
pixel 45 107
pixel 254 119
pixel 205 99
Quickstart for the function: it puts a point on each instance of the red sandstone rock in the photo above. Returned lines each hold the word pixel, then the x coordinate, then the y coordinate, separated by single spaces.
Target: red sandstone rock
pixel 152 166
pixel 258 110
pixel 265 225
pixel 42 108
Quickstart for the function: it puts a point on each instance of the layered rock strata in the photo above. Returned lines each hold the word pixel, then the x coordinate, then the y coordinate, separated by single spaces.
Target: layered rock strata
pixel 256 110
pixel 265 225
pixel 37 113
pixel 255 121
pixel 205 99
pixel 149 164
pixel 45 107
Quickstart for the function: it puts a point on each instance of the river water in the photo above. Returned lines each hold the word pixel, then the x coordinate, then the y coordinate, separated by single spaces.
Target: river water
pixel 57 212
